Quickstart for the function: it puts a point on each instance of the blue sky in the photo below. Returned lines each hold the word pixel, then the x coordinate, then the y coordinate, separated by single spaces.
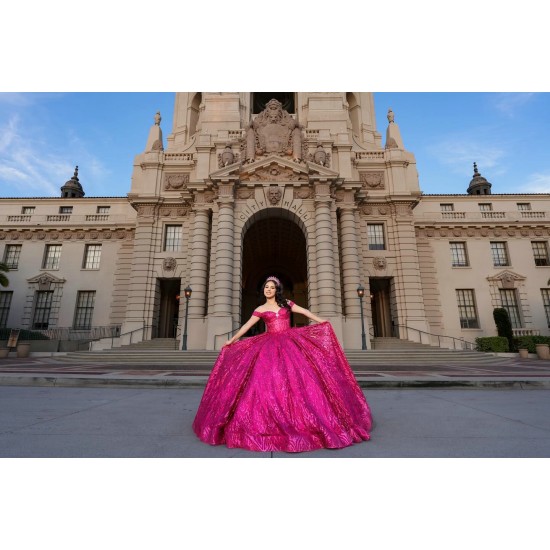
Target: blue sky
pixel 44 135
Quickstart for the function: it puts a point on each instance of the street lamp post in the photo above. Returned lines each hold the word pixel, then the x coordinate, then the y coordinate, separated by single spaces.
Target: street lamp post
pixel 187 292
pixel 361 293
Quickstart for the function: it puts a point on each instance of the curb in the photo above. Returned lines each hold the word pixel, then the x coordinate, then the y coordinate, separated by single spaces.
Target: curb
pixel 200 382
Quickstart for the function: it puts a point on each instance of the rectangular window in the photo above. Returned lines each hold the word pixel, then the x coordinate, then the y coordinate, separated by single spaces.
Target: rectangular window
pixel 508 299
pixel 524 206
pixel 28 210
pixel 84 309
pixel 5 304
pixel 375 234
pixel 172 238
pixel 459 255
pixel 540 252
pixel 11 255
pixel 447 207
pixel 65 209
pixel 103 209
pixel 42 309
pixel 52 256
pixel 500 254
pixel 485 207
pixel 92 256
pixel 546 301
pixel 467 308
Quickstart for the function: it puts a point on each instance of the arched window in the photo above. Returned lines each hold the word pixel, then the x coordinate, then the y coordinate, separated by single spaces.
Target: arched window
pixel 260 99
pixel 194 114
pixel 354 111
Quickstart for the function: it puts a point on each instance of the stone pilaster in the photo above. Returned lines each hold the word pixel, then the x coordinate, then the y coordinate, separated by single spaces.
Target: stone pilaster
pixel 350 260
pixel 324 251
pixel 199 259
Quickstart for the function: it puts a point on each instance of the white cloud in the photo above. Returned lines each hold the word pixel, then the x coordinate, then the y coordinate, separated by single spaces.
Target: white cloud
pixel 509 103
pixel 537 183
pixel 460 154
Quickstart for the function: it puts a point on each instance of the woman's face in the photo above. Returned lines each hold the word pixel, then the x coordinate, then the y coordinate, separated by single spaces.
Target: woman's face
pixel 269 289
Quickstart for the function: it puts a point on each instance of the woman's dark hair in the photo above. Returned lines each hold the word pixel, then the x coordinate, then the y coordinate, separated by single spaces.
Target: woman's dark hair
pixel 279 298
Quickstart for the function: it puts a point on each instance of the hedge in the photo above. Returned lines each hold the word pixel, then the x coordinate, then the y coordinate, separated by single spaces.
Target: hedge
pixel 530 342
pixel 498 344
pixel 23 335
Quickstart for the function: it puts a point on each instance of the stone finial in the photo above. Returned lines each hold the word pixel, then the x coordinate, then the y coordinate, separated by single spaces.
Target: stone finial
pixel 158 118
pixel 393 134
pixel 391 116
pixel 154 142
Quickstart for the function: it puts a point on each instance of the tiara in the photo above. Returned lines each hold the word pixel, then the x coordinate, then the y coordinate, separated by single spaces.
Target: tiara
pixel 272 278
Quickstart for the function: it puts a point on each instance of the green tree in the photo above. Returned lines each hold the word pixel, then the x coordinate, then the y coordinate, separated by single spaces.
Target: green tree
pixel 4 281
pixel 504 325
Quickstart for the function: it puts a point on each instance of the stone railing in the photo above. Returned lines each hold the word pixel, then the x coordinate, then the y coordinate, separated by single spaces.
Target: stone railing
pixel 525 332
pixel 369 155
pixel 62 218
pixel 180 157
pixel 312 134
pixel 513 216
pixel 529 214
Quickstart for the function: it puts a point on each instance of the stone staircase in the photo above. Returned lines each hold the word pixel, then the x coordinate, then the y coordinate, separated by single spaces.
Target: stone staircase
pixel 386 353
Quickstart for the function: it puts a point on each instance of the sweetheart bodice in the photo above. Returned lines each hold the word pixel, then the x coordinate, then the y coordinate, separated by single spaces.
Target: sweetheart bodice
pixel 275 321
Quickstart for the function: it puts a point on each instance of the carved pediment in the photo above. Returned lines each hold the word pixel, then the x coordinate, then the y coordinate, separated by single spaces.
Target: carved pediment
pixel 274 168
pixel 45 280
pixel 506 279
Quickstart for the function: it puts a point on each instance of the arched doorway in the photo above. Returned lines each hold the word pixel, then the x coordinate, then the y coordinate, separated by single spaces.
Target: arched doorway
pixel 274 243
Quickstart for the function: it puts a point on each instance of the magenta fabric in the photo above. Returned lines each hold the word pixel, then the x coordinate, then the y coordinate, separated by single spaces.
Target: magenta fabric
pixel 288 389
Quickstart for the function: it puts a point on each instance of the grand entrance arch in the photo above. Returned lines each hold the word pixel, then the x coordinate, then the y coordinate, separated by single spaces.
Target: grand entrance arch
pixel 274 243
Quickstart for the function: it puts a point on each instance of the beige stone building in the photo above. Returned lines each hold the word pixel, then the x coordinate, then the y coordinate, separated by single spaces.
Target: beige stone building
pixel 297 185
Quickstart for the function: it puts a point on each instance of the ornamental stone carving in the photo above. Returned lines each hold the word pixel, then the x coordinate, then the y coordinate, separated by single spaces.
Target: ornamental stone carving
pixel 274 131
pixel 107 234
pixel 245 193
pixel 28 236
pixel 471 233
pixel 175 181
pixel 320 156
pixel 41 235
pixel 484 232
pixel 169 264
pixel 210 196
pixel 382 210
pixel 373 180
pixel 524 232
pixel 67 235
pixel 497 232
pixel 538 232
pixel 227 157
pixel 508 280
pixel 54 236
pixel 457 232
pixel 121 234
pixel 379 263
pixel 511 232
pixel 2 236
pixel 367 210
pixel 44 282
pixel 303 193
pixel 14 235
pixel 274 195
pixel 146 209
pixel 94 235
pixel 338 195
pixel 430 232
pixel 80 235
pixel 443 232
pixel 273 172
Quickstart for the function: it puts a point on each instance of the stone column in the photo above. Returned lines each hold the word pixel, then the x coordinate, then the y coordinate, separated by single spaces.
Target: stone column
pixel 199 259
pixel 350 260
pixel 220 319
pixel 326 287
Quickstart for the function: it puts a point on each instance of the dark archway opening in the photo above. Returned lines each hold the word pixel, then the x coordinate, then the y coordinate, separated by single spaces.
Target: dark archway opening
pixel 275 246
pixel 260 99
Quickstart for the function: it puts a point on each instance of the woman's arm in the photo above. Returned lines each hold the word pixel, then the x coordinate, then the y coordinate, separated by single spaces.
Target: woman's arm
pixel 243 330
pixel 307 313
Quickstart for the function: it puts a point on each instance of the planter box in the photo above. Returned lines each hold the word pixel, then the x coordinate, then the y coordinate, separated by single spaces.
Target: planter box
pixel 523 353
pixel 23 350
pixel 4 352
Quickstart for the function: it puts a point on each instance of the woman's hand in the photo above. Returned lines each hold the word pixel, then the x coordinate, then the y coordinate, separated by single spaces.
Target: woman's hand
pixel 228 343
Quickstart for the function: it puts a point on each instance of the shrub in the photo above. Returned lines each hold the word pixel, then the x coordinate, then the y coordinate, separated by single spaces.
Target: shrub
pixel 530 342
pixel 23 335
pixel 497 344
pixel 504 326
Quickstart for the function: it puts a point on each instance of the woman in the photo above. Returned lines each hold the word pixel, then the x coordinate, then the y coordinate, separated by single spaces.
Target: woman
pixel 285 390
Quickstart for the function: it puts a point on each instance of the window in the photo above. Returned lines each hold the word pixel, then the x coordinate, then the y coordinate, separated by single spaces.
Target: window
pixel 447 207
pixel 540 252
pixel 92 255
pixel 467 308
pixel 485 207
pixel 65 209
pixel 52 256
pixel 5 303
pixel 11 255
pixel 458 254
pixel 42 309
pixel 172 238
pixel 524 206
pixel 27 210
pixel 103 209
pixel 508 299
pixel 546 301
pixel 375 234
pixel 84 309
pixel 500 254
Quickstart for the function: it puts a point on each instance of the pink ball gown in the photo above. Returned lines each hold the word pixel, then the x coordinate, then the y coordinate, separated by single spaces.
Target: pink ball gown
pixel 288 389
